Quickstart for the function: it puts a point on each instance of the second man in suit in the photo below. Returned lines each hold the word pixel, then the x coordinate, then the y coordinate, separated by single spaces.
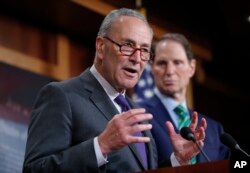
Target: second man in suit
pixel 172 67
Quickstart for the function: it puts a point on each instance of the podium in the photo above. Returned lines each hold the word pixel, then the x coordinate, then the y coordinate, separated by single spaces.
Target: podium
pixel 214 167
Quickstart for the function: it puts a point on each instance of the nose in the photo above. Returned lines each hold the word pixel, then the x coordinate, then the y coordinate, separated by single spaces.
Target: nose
pixel 169 69
pixel 136 56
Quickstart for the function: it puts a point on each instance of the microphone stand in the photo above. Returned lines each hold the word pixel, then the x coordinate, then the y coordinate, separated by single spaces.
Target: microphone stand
pixel 187 134
pixel 202 152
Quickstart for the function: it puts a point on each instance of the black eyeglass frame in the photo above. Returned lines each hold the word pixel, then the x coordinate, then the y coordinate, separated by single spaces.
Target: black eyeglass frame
pixel 143 53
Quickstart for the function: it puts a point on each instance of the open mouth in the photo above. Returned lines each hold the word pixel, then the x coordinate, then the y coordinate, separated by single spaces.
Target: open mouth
pixel 130 70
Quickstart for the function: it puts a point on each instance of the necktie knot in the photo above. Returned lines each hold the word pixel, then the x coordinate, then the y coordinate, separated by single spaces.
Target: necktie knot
pixel 180 111
pixel 184 119
pixel 121 100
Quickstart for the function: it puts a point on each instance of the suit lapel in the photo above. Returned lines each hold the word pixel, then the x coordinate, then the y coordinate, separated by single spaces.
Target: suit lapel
pixel 161 114
pixel 98 95
pixel 104 104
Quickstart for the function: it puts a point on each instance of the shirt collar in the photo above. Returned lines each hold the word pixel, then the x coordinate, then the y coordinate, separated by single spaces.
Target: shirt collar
pixel 112 93
pixel 169 102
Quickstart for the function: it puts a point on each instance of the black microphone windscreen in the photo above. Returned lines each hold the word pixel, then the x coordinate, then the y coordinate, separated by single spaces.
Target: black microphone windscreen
pixel 228 140
pixel 187 133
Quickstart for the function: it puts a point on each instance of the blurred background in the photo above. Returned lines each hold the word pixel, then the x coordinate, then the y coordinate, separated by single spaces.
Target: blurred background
pixel 54 40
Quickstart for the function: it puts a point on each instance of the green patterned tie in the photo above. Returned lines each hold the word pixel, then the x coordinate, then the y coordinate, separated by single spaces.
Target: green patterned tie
pixel 184 121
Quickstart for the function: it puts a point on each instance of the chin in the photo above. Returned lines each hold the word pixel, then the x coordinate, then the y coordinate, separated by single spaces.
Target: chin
pixel 129 85
pixel 169 91
pixel 128 82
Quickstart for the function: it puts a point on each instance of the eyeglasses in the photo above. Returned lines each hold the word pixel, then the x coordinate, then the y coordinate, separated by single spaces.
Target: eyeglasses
pixel 128 50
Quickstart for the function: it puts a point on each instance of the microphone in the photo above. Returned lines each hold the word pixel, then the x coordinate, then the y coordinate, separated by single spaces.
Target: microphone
pixel 229 141
pixel 187 134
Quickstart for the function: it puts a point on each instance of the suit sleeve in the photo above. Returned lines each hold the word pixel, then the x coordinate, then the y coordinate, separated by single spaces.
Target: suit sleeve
pixel 49 145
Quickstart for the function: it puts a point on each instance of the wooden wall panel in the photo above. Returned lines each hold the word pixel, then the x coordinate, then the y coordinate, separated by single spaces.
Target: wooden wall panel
pixel 42 52
pixel 27 39
pixel 81 57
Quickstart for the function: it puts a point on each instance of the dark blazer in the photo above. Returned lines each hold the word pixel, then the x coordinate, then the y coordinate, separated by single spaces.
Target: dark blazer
pixel 214 149
pixel 66 117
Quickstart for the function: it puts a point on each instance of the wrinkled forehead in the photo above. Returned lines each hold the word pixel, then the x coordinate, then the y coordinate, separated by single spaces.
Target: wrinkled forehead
pixel 132 28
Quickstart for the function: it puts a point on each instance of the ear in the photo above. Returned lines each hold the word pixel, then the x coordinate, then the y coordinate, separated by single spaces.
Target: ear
pixel 99 44
pixel 192 65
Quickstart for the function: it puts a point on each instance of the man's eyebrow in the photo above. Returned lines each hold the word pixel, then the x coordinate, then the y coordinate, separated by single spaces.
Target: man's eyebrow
pixel 128 40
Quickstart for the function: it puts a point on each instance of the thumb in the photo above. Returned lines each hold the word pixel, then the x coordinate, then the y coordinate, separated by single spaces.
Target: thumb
pixel 170 129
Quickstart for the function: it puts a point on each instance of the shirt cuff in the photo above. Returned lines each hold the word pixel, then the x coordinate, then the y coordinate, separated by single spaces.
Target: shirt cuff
pixel 101 159
pixel 174 161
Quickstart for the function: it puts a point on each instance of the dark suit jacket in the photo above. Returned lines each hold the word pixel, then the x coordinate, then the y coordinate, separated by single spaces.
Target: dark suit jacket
pixel 67 116
pixel 214 149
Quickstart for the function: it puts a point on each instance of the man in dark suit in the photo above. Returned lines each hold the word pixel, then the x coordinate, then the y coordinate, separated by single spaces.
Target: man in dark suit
pixel 172 67
pixel 78 125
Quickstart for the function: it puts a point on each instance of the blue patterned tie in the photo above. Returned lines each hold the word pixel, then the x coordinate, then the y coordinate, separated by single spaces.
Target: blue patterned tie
pixel 183 121
pixel 120 100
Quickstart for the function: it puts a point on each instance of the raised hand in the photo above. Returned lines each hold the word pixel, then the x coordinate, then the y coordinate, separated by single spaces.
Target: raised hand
pixel 184 150
pixel 121 129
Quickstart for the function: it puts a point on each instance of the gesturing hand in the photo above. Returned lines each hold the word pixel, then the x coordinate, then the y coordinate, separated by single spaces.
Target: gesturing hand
pixel 121 129
pixel 184 150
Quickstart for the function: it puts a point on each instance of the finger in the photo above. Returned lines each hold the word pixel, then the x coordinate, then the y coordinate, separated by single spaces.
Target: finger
pixel 139 128
pixel 131 112
pixel 201 143
pixel 139 139
pixel 203 123
pixel 170 129
pixel 138 118
pixel 194 121
pixel 129 135
pixel 200 133
pixel 124 118
pixel 132 134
